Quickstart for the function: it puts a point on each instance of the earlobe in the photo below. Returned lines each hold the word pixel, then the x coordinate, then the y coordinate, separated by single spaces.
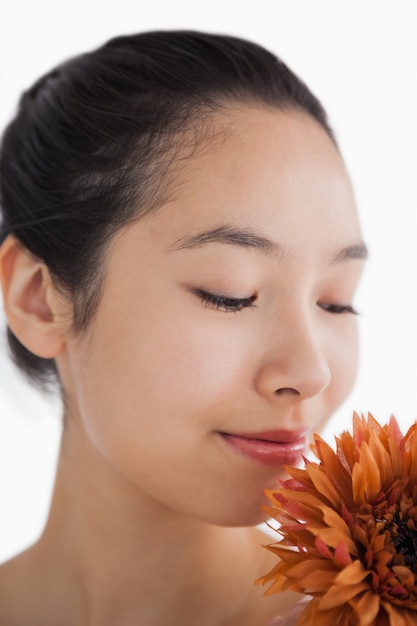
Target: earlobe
pixel 33 309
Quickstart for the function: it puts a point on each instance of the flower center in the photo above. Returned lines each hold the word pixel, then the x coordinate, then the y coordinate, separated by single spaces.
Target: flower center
pixel 404 539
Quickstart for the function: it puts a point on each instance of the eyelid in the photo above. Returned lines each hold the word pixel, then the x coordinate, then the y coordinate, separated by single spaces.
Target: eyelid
pixel 224 302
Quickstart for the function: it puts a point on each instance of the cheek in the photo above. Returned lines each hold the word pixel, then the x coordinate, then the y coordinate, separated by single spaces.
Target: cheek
pixel 193 368
pixel 158 374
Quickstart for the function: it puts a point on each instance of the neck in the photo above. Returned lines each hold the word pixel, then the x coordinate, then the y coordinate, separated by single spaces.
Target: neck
pixel 120 555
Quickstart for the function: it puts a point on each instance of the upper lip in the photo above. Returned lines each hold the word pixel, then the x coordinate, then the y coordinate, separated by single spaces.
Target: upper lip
pixel 276 436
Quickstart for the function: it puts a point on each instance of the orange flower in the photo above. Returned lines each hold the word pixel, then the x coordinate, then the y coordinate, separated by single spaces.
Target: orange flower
pixel 348 527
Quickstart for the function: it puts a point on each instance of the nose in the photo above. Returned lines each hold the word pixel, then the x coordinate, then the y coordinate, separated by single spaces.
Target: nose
pixel 295 363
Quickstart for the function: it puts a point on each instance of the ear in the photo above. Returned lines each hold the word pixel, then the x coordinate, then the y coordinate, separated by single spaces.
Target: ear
pixel 37 314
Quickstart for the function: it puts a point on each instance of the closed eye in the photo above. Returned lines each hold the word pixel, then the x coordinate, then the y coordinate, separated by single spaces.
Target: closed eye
pixel 338 309
pixel 225 303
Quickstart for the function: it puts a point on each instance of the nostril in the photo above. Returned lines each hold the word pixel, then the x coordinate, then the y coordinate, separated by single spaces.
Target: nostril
pixel 284 391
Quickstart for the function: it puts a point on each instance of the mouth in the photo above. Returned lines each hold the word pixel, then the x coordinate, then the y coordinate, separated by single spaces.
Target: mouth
pixel 271 448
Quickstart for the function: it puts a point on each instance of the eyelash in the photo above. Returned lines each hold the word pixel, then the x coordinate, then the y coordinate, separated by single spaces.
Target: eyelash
pixel 338 309
pixel 224 303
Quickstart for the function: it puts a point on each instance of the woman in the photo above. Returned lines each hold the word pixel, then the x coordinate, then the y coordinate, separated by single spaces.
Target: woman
pixel 180 252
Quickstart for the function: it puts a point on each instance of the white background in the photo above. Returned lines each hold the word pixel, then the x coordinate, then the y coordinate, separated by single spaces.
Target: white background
pixel 360 57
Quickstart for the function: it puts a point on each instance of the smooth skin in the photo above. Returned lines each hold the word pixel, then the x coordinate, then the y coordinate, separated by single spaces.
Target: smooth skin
pixel 148 495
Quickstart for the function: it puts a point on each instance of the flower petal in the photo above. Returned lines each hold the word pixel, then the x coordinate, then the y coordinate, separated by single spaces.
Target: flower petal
pixel 370 468
pixel 367 608
pixel 352 574
pixel 311 566
pixel 358 484
pixel 398 616
pixel 323 484
pixel 332 536
pixel 314 616
pixel 334 520
pixel 394 430
pixel 382 459
pixel 341 555
pixel 339 594
pixel 319 582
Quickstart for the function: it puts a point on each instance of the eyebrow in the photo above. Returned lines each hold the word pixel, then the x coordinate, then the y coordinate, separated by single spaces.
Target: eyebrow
pixel 245 238
pixel 358 251
pixel 227 234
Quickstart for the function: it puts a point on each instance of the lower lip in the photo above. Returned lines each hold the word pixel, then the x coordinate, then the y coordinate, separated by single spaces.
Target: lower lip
pixel 268 453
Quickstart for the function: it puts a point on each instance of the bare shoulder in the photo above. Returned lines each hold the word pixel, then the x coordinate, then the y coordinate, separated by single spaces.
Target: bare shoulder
pixel 10 590
pixel 19 586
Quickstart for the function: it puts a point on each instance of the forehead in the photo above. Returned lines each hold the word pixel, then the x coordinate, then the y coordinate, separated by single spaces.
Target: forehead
pixel 268 169
pixel 253 143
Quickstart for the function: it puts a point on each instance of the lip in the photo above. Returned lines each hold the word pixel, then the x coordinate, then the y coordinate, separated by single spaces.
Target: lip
pixel 273 448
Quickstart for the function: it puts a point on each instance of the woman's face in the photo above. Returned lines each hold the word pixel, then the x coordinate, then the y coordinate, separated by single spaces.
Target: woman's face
pixel 226 332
